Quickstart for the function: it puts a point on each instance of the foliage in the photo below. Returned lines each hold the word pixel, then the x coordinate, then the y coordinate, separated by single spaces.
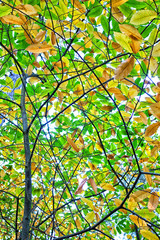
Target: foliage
pixel 79 112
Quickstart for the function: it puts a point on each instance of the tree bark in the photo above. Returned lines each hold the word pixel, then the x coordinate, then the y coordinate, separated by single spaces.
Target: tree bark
pixel 28 183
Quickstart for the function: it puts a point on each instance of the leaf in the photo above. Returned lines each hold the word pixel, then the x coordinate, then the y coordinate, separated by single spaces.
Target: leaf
pixel 95 11
pixel 135 45
pixel 124 69
pixel 80 187
pixel 140 195
pixel 39 37
pixel 29 69
pixel 72 144
pixel 104 23
pixel 88 202
pixel 93 184
pixel 27 9
pixel 123 40
pixel 78 5
pixel 11 19
pixel 118 202
pixel 156 50
pixel 5 10
pixel 143 16
pixel 153 201
pixel 130 31
pixel 145 214
pixel 117 3
pixel 90 217
pixel 107 186
pixel 38 48
pixel 155 107
pixel 143 117
pixel 151 129
pixel 147 176
pixel 138 221
pixel 53 38
pixel 149 235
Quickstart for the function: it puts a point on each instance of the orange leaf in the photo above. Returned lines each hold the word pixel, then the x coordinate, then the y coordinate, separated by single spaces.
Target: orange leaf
pixel 138 221
pixel 93 185
pixel 53 38
pixel 116 3
pixel 155 107
pixel 118 202
pixel 13 19
pixel 148 177
pixel 80 187
pixel 153 202
pixel 140 195
pixel 72 144
pixel 40 36
pixel 151 129
pixel 117 14
pixel 78 5
pixel 130 31
pixel 38 48
pixel 143 117
pixel 124 68
pixel 135 45
pixel 27 9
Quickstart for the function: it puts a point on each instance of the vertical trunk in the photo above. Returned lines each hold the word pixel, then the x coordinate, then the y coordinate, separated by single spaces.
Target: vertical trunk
pixel 28 183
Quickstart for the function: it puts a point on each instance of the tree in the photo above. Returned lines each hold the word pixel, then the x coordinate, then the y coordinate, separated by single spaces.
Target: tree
pixel 79 112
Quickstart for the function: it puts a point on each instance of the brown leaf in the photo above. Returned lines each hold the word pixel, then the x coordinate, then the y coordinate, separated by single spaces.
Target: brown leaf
pixel 80 187
pixel 147 176
pixel 117 47
pixel 72 144
pixel 151 129
pixel 13 20
pixel 124 68
pixel 38 48
pixel 153 201
pixel 93 184
pixel 53 38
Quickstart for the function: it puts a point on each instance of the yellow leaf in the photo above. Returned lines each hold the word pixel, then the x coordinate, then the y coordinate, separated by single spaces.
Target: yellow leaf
pixel 88 202
pixel 33 80
pixel 153 201
pixel 156 50
pixel 38 48
pixel 140 195
pixel 117 14
pixel 116 3
pixel 29 69
pixel 138 221
pixel 153 66
pixel 147 176
pixel 5 89
pixel 130 31
pixel 153 36
pixel 143 117
pixel 124 68
pixel 13 20
pixel 90 217
pixel 132 204
pixel 107 186
pixel 143 16
pixel 151 129
pixel 149 235
pixel 123 40
pixel 72 144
